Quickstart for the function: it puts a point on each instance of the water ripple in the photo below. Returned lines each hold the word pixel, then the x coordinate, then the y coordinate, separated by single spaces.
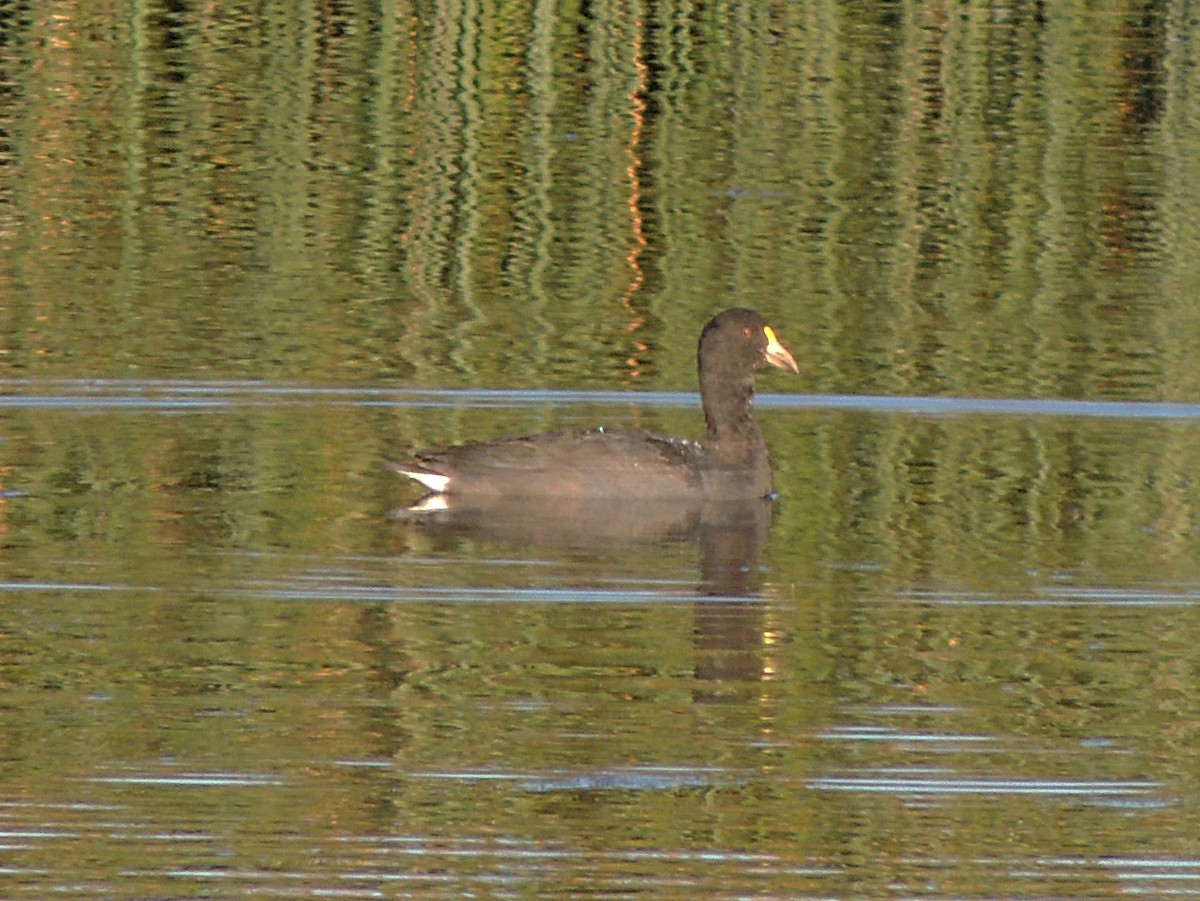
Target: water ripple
pixel 921 783
pixel 197 395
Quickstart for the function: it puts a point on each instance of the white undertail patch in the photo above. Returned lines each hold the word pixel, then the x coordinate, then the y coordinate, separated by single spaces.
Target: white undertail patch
pixel 431 480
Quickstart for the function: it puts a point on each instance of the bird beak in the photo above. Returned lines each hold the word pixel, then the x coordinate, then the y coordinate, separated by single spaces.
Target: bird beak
pixel 777 354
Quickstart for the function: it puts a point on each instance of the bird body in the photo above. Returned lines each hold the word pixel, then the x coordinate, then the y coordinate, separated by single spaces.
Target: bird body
pixel 730 462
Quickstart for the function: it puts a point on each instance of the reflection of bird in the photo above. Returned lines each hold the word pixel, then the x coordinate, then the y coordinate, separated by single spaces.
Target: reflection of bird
pixel 729 463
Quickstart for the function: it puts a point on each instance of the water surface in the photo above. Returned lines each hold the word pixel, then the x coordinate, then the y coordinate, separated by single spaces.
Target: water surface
pixel 248 254
pixel 228 678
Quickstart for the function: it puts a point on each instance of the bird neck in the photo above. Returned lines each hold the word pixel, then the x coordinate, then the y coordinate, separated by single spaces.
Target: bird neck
pixel 729 413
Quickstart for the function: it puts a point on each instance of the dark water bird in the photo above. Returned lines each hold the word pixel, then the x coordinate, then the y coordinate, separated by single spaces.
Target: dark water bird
pixel 729 463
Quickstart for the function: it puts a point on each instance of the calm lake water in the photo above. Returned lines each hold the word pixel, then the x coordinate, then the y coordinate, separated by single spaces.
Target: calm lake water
pixel 247 256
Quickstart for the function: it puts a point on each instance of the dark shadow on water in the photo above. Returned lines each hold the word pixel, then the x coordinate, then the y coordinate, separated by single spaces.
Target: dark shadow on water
pixel 727 632
pixel 730 536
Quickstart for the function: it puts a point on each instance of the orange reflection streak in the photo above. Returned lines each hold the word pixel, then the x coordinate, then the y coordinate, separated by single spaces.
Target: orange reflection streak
pixel 410 62
pixel 637 112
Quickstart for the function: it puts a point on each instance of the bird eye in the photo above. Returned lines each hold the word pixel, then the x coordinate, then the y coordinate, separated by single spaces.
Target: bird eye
pixel 746 332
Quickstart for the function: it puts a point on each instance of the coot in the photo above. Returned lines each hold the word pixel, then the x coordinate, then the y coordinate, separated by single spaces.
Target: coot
pixel 729 463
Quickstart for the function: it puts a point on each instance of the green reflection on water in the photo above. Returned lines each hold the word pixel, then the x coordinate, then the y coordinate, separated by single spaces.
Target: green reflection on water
pixel 990 204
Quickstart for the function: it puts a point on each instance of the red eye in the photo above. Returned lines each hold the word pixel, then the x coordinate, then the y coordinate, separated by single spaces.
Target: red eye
pixel 747 332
